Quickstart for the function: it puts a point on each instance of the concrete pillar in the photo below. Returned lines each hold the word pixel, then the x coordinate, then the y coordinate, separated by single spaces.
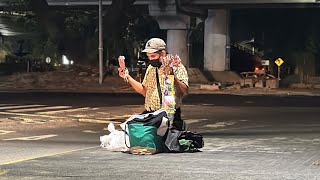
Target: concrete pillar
pixel 176 25
pixel 216 41
pixel 177 44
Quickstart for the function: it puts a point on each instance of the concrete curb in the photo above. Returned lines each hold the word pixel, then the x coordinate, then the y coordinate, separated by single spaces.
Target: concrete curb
pixel 193 90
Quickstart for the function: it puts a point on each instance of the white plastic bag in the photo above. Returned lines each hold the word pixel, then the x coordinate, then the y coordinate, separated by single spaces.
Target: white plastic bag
pixel 116 140
pixel 161 131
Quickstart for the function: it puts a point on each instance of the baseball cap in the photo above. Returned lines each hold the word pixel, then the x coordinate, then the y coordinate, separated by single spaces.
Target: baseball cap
pixel 154 45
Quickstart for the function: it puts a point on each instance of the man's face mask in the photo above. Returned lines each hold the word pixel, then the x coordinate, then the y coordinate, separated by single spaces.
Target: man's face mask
pixel 154 59
pixel 155 62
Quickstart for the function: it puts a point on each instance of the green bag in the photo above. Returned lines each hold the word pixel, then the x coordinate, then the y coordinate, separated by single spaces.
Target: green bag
pixel 145 136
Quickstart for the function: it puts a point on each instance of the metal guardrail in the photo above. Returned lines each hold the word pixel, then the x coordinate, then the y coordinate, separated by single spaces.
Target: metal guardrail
pixel 240 47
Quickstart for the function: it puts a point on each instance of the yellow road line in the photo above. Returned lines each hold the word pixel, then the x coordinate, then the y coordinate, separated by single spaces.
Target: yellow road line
pixel 50 155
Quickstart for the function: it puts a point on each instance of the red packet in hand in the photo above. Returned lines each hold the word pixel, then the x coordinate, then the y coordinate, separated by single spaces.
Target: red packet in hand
pixel 122 68
pixel 122 63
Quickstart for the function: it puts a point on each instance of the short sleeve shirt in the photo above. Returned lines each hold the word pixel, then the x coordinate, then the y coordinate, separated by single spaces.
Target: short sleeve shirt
pixel 152 99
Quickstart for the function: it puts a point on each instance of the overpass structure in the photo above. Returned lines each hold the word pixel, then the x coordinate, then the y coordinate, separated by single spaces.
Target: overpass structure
pixel 206 4
pixel 174 16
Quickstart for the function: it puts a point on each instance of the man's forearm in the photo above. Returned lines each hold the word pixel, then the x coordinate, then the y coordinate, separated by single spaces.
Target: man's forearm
pixel 183 88
pixel 137 86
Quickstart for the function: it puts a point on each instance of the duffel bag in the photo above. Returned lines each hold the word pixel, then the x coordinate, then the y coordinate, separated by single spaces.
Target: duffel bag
pixel 146 131
pixel 183 141
pixel 144 139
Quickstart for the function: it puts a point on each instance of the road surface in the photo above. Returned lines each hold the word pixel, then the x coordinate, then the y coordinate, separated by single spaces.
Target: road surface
pixel 56 136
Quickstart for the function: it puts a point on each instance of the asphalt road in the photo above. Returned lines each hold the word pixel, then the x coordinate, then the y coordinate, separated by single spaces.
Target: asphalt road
pixel 56 136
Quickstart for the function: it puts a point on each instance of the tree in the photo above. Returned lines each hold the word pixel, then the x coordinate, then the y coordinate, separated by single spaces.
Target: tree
pixel 75 32
pixel 39 20
pixel 115 23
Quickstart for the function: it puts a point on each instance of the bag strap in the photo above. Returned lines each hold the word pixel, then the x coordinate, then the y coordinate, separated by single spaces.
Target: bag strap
pixel 158 86
pixel 126 134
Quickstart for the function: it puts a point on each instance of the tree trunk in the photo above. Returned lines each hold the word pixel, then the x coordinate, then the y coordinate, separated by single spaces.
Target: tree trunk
pixel 113 22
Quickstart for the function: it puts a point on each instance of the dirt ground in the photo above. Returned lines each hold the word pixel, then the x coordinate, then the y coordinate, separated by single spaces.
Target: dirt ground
pixel 86 79
pixel 76 79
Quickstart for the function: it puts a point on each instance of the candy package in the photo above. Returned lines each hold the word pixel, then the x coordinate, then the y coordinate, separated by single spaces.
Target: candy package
pixel 171 61
pixel 169 95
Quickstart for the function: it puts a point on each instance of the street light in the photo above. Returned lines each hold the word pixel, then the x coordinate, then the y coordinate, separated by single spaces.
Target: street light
pixel 100 44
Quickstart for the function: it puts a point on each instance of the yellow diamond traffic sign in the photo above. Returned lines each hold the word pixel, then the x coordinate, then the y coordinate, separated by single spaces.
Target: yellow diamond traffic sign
pixel 279 61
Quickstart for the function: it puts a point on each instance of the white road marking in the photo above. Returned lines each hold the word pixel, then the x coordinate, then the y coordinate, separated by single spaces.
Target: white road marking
pixel 207 104
pixel 66 110
pixel 241 128
pixel 59 117
pixel 220 124
pixel 46 114
pixel 39 109
pixel 21 106
pixel 32 121
pixel 98 121
pixel 2 132
pixel 243 120
pixel 113 118
pixel 31 115
pixel 8 104
pixel 90 131
pixel 32 138
pixel 190 121
pixel 79 115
